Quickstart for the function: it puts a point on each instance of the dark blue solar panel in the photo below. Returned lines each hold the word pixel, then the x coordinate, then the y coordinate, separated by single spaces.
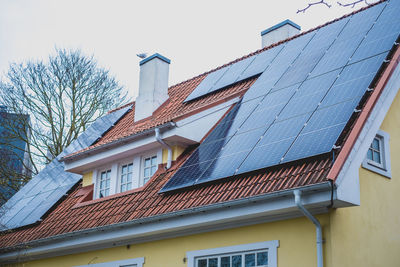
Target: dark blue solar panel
pixel 36 197
pixel 261 62
pixel 303 99
pixel 278 67
pixel 232 75
pixel 209 81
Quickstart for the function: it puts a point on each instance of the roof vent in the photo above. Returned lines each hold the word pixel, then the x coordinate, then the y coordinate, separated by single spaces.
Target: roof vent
pixel 153 85
pixel 279 32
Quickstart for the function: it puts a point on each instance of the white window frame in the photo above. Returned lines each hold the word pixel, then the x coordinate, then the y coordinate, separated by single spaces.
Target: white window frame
pixel 385 167
pixel 98 179
pixel 271 246
pixel 137 262
pixel 142 159
pixel 120 164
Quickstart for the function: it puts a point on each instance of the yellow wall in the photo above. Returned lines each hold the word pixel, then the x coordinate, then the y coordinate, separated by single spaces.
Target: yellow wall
pixel 369 235
pixel 176 152
pixel 87 179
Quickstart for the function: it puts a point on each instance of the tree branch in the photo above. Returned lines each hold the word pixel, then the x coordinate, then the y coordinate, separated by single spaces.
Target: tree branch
pixel 312 4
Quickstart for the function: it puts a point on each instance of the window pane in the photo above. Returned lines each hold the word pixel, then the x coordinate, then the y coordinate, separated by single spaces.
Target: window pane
pixel 250 260
pixel 128 186
pixel 202 263
pixel 146 172
pixel 108 174
pixel 237 261
pixel 153 170
pixel 262 258
pixel 369 154
pixel 147 162
pixel 130 167
pixel 108 183
pixel 124 169
pixel 145 180
pixel 213 262
pixel 375 144
pixel 123 178
pixel 226 261
pixel 377 157
pixel 123 188
pixel 154 161
pixel 107 192
pixel 129 177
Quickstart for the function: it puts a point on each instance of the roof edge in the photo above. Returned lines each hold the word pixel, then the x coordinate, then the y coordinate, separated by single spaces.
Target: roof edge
pixel 362 119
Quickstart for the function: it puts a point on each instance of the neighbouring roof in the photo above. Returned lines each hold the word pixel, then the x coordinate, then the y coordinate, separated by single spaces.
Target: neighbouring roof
pixel 73 214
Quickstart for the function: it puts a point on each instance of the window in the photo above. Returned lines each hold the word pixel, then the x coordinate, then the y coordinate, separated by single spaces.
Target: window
pixel 378 155
pixel 262 254
pixel 126 174
pixel 149 167
pixel 138 262
pixel 105 181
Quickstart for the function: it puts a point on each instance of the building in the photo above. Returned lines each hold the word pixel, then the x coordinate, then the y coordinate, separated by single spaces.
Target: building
pixel 14 161
pixel 279 158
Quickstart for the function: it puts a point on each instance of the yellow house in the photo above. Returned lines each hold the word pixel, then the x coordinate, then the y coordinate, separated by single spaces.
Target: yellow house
pixel 284 157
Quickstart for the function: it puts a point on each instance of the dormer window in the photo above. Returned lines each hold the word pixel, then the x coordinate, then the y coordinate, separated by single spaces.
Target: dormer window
pixel 126 175
pixel 105 182
pixel 149 167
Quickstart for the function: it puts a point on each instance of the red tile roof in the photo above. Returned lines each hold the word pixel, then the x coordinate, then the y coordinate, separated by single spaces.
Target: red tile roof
pixel 71 215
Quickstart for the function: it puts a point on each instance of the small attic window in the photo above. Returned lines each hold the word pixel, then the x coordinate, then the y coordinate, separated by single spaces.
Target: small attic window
pixel 378 155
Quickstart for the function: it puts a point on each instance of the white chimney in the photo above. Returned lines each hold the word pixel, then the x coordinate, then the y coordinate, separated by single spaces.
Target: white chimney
pixel 153 85
pixel 279 32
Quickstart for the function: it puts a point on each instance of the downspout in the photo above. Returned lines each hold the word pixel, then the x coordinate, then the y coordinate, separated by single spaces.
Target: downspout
pixel 297 200
pixel 159 139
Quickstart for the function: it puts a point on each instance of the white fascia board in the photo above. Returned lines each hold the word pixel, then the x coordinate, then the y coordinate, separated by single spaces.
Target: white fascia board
pixel 260 209
pixel 347 182
pixel 187 131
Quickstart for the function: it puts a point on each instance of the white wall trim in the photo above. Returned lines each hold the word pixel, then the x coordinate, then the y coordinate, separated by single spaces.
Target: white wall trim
pixel 138 261
pixel 385 169
pixel 272 247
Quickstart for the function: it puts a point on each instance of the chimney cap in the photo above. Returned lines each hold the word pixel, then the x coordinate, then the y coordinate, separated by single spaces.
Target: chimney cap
pixel 283 23
pixel 156 55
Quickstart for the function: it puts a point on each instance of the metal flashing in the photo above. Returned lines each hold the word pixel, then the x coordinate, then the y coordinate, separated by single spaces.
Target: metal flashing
pixel 156 55
pixel 281 24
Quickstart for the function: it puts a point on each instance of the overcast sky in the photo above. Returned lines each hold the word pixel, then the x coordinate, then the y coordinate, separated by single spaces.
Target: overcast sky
pixel 196 35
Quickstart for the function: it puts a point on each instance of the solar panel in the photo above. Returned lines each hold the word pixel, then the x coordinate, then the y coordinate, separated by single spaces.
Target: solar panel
pixel 302 101
pixel 205 86
pixel 35 198
pixel 232 75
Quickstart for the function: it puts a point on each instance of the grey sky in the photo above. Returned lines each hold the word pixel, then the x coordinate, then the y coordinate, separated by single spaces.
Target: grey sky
pixel 196 35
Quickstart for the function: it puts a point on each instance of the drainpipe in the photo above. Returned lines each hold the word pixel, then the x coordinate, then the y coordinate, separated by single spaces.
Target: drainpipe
pixel 158 138
pixel 297 200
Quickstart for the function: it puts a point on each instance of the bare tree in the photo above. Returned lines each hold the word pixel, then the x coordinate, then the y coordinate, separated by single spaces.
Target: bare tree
pixel 327 3
pixel 60 97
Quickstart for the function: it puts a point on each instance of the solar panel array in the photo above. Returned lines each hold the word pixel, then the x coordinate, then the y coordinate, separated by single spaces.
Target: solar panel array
pixel 301 102
pixel 35 198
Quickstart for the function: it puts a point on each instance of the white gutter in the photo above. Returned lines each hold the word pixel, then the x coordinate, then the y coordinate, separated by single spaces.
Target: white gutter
pixel 159 139
pixel 297 200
